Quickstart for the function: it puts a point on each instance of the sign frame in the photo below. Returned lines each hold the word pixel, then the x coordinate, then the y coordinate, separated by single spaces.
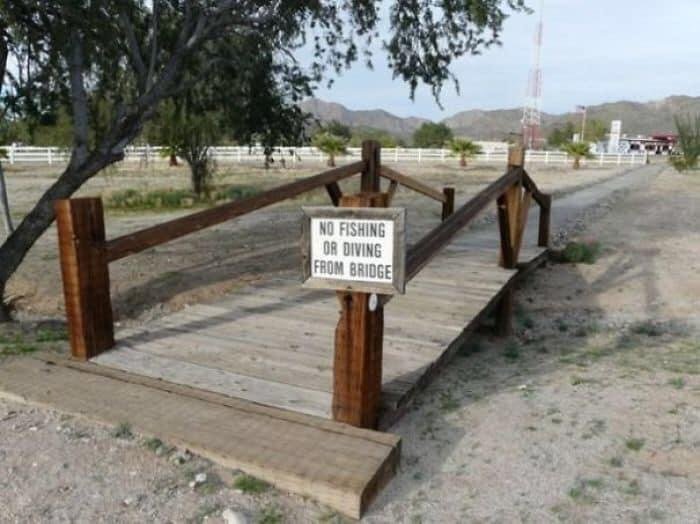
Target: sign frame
pixel 397 215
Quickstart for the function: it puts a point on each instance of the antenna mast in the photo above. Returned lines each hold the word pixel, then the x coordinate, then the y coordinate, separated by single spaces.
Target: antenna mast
pixel 532 138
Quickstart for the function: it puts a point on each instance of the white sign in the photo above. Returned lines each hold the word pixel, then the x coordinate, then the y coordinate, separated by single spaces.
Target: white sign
pixel 614 137
pixel 360 249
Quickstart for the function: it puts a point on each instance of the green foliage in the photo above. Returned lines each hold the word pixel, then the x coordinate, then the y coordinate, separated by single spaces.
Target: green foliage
pixel 337 128
pixel 123 431
pixel 385 139
pixel 562 134
pixel 331 145
pixel 581 252
pixel 635 444
pixel 577 150
pixel 251 485
pixel 432 135
pixel 465 149
pixel 270 515
pixel 166 199
pixel 688 128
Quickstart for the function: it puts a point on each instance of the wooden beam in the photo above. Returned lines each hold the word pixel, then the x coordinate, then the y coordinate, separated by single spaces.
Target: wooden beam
pixel 505 227
pixel 545 219
pixel 167 231
pixel 516 157
pixel 428 246
pixel 357 365
pixel 334 192
pixel 371 156
pixel 412 183
pixel 448 205
pixel 81 242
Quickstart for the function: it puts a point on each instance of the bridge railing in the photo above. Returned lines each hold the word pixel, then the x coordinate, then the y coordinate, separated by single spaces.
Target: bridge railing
pixel 85 255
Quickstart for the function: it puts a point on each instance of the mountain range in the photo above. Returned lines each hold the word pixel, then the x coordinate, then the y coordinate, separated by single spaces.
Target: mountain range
pixel 637 118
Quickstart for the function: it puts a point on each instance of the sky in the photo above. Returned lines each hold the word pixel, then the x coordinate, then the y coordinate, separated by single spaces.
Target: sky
pixel 593 51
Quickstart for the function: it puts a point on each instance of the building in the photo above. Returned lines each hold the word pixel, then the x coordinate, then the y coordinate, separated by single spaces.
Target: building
pixel 657 144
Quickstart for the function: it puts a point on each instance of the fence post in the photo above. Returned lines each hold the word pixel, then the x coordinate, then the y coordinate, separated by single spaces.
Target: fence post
pixel 12 153
pixel 50 157
pixel 81 242
pixel 357 365
pixel 448 206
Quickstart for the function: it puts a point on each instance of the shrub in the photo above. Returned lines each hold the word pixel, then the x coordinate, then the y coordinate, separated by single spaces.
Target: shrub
pixel 581 252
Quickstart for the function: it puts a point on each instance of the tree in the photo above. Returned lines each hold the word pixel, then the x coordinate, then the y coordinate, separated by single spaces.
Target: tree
pixel 331 145
pixel 334 127
pixel 430 134
pixel 464 148
pixel 112 62
pixel 578 150
pixel 385 139
pixel 688 128
pixel 561 135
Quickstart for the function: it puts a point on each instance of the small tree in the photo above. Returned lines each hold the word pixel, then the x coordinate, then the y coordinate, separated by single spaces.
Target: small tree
pixel 688 128
pixel 432 135
pixel 332 145
pixel 578 150
pixel 465 149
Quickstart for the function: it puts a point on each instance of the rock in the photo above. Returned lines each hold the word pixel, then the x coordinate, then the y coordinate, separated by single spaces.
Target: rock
pixel 199 479
pixel 233 517
pixel 181 456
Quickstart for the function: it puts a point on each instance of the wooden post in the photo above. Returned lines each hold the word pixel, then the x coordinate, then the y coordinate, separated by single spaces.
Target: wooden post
pixel 357 366
pixel 448 206
pixel 371 155
pixel 512 213
pixel 545 219
pixel 81 242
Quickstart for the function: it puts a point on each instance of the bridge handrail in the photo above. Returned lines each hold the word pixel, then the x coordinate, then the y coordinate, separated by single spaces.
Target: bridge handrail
pixel 431 244
pixel 143 239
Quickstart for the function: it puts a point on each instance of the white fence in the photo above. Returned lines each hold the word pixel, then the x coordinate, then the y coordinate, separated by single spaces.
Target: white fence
pixel 298 155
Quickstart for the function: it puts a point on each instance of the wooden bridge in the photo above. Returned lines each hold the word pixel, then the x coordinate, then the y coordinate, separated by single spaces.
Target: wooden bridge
pixel 279 348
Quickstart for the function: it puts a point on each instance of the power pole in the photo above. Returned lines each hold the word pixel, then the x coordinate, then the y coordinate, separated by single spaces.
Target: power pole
pixel 531 111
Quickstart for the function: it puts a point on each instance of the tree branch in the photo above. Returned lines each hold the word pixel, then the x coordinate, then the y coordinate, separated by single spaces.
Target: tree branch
pixel 78 96
pixel 134 51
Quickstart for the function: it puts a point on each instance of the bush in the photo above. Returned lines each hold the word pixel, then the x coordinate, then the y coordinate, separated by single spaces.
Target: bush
pixel 131 199
pixel 581 252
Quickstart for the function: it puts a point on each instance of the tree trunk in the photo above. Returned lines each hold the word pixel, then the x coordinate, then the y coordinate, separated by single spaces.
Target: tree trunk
pixel 18 244
pixel 463 160
pixel 200 173
pixel 173 160
pixel 331 160
pixel 5 205
pixel 577 162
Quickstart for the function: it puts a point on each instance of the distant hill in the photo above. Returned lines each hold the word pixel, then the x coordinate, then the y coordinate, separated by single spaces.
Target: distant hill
pixel 637 118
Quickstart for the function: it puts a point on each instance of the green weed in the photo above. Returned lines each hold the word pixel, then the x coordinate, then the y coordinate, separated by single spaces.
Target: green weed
pixel 634 444
pixel 581 252
pixel 251 485
pixel 678 382
pixel 270 515
pixel 123 431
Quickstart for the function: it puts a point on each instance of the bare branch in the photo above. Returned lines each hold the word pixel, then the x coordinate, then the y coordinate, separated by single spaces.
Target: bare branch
pixel 154 43
pixel 134 50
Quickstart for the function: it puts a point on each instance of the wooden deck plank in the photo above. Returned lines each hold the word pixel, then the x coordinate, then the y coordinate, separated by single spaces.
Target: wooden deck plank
pixel 342 467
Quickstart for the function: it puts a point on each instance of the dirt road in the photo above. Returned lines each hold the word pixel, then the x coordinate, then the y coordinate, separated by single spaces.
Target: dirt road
pixel 590 413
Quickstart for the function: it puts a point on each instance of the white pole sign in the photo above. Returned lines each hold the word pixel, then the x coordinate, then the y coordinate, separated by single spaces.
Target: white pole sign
pixel 358 249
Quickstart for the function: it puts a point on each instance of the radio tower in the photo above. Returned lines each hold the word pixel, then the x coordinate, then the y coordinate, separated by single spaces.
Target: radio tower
pixel 531 111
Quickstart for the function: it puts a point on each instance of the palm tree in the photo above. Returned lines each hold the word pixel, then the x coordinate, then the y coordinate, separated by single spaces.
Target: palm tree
pixel 330 144
pixel 465 149
pixel 578 150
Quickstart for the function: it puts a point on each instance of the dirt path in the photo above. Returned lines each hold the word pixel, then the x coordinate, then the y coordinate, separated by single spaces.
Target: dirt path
pixel 589 414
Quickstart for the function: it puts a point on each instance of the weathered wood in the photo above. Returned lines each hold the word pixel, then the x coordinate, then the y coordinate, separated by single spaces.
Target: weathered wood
pixel 448 205
pixel 334 192
pixel 371 156
pixel 412 183
pixel 428 246
pixel 340 466
pixel 523 213
pixel 516 156
pixel 167 231
pixel 545 219
pixel 507 253
pixel 393 186
pixel 357 364
pixel 81 241
pixel 504 314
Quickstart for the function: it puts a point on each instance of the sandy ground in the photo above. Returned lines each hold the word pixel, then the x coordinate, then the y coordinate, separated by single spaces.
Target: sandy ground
pixel 589 413
pixel 208 264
